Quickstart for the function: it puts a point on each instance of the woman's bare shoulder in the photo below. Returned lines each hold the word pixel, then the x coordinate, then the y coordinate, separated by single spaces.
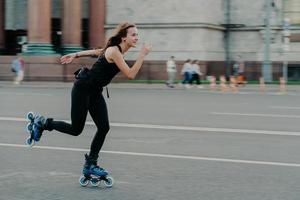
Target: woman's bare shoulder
pixel 111 52
pixel 112 49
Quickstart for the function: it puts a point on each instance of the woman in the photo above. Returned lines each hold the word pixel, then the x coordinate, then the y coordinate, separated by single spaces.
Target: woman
pixel 186 71
pixel 171 70
pixel 86 93
pixel 195 74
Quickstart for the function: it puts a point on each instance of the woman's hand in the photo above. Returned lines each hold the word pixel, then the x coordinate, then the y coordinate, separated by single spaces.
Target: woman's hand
pixel 146 48
pixel 66 59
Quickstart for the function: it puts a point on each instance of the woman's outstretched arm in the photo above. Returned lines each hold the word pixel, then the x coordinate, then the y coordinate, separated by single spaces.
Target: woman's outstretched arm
pixel 66 59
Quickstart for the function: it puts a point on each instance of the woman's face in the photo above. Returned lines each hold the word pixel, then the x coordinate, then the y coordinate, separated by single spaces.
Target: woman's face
pixel 132 37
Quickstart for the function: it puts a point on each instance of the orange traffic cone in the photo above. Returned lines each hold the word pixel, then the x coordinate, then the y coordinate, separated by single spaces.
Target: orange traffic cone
pixel 282 85
pixel 262 85
pixel 223 85
pixel 233 84
pixel 212 84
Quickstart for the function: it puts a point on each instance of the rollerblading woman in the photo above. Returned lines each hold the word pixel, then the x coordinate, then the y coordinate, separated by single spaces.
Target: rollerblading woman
pixel 87 96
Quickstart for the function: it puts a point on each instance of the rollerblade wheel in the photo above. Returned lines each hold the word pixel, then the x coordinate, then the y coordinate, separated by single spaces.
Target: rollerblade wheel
pixel 83 181
pixel 29 127
pixel 30 116
pixel 29 141
pixel 109 182
pixel 95 182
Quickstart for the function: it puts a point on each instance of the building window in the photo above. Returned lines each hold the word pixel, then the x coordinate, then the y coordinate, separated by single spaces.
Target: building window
pixel 292 11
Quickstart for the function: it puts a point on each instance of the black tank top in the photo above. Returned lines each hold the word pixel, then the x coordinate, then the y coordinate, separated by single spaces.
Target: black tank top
pixel 102 72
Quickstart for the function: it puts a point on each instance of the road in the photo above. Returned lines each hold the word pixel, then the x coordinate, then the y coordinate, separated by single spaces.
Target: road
pixel 163 144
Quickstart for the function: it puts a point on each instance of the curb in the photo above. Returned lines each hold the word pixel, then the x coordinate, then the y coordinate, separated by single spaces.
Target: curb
pixel 251 87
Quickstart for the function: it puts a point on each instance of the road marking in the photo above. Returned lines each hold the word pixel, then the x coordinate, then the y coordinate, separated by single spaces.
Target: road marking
pixel 207 129
pixel 183 128
pixel 254 162
pixel 256 115
pixel 25 94
pixel 285 107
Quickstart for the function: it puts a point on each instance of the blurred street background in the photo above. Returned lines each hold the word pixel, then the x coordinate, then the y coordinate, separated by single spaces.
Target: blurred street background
pixel 260 37
pixel 234 137
pixel 163 144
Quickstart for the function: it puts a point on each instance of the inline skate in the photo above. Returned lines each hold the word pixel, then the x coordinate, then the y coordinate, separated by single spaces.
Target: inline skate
pixel 35 127
pixel 94 174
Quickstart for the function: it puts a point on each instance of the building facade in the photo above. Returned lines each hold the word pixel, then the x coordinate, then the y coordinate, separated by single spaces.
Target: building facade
pixel 214 32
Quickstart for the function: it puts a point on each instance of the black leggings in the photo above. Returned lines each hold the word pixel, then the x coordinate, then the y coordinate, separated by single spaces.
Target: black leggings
pixel 196 78
pixel 84 100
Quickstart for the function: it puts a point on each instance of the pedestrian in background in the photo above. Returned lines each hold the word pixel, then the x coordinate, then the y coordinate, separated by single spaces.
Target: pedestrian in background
pixel 240 71
pixel 186 72
pixel 171 70
pixel 18 66
pixel 196 74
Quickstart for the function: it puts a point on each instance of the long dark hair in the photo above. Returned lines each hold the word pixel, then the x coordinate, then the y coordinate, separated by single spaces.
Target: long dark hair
pixel 119 33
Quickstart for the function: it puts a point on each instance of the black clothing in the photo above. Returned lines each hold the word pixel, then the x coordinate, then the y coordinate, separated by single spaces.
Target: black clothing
pixel 87 97
pixel 102 72
pixel 85 100
pixel 196 78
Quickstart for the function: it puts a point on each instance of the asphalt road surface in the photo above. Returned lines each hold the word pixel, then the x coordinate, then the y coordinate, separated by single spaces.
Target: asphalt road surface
pixel 163 144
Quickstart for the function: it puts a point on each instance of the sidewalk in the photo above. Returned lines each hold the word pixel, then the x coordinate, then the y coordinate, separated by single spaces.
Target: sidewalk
pixel 250 87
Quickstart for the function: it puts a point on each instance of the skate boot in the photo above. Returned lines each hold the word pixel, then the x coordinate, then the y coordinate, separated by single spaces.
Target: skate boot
pixel 94 174
pixel 35 127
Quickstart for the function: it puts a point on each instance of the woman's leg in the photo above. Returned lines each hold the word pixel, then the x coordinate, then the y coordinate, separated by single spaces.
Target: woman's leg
pixel 79 109
pixel 99 114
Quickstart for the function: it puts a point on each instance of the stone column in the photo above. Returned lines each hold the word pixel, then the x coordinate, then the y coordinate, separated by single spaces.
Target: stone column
pixel 71 26
pixel 39 28
pixel 2 37
pixel 97 12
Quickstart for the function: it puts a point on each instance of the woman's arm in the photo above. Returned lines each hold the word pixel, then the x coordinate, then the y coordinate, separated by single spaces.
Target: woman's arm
pixel 66 59
pixel 115 55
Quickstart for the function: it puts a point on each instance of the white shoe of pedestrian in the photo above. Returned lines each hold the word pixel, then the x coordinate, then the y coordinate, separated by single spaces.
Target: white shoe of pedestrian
pixel 188 86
